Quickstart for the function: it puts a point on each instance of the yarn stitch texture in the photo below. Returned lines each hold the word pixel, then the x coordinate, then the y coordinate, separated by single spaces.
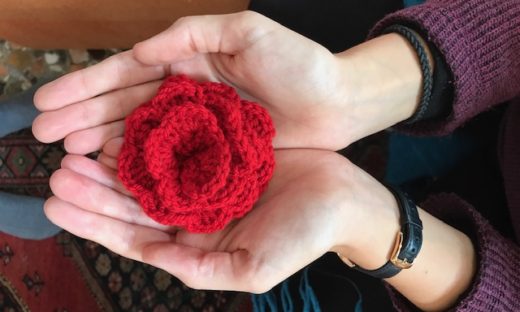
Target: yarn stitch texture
pixel 196 155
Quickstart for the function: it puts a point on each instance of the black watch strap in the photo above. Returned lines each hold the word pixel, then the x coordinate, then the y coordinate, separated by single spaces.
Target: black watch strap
pixel 408 241
pixel 386 271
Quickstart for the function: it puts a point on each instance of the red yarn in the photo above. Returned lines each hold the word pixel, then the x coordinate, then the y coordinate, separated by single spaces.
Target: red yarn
pixel 196 155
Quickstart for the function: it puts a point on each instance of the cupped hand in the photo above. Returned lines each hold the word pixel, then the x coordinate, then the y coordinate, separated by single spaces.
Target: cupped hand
pixel 298 219
pixel 296 79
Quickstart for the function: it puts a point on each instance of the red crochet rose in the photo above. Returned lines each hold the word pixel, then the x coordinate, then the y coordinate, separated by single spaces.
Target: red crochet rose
pixel 196 155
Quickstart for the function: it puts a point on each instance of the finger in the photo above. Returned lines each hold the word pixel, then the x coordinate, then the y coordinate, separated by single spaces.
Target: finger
pixel 108 161
pixel 207 270
pixel 113 147
pixel 90 140
pixel 90 195
pixel 190 36
pixel 122 238
pixel 116 72
pixel 94 170
pixel 55 125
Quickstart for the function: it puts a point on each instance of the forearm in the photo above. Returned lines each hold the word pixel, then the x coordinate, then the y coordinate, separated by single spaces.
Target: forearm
pixel 444 268
pixel 383 74
pixel 478 41
pixel 442 272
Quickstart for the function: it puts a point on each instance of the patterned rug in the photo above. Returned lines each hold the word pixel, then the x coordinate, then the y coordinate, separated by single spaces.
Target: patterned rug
pixel 66 273
pixel 26 164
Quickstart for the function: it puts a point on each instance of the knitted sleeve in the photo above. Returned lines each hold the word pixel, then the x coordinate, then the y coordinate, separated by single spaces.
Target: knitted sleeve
pixel 496 286
pixel 480 40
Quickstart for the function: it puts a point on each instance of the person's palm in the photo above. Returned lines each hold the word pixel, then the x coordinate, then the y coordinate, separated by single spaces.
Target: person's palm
pixel 293 224
pixel 296 79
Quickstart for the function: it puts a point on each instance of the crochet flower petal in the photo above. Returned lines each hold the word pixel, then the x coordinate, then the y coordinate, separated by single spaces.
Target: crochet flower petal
pixel 196 155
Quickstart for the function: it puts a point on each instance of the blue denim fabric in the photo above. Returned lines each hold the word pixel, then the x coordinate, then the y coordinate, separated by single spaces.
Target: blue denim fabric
pixel 17 112
pixel 22 216
pixel 408 3
pixel 411 158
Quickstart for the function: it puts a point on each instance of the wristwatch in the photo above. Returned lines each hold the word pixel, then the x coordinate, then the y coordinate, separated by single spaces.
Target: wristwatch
pixel 407 244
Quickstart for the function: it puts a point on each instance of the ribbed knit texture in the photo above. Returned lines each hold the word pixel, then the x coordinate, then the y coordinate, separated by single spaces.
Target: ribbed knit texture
pixel 480 40
pixel 196 155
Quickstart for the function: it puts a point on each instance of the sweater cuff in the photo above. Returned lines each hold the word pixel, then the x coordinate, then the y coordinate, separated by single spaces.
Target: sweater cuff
pixel 496 286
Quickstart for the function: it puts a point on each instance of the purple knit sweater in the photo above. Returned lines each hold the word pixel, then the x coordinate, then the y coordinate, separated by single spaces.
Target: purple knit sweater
pixel 480 40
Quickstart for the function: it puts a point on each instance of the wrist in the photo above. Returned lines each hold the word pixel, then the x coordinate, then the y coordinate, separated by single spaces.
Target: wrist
pixel 368 239
pixel 370 245
pixel 443 269
pixel 384 82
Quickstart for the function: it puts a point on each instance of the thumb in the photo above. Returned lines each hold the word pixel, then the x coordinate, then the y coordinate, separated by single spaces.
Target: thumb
pixel 228 34
pixel 211 270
